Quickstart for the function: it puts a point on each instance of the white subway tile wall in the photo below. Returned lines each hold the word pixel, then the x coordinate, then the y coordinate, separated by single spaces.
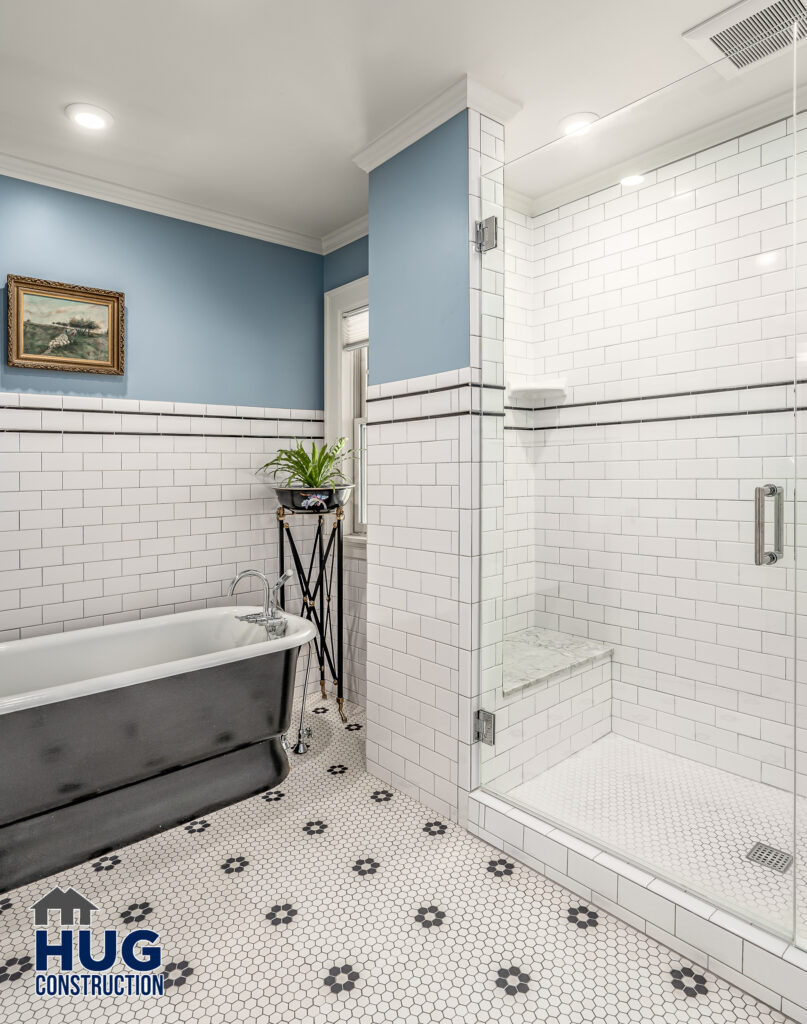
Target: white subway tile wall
pixel 114 509
pixel 355 624
pixel 426 498
pixel 547 722
pixel 419 583
pixel 628 509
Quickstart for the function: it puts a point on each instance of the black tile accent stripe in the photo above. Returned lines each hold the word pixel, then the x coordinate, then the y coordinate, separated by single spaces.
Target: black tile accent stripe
pixel 180 415
pixel 106 432
pixel 437 416
pixel 434 391
pixel 163 433
pixel 663 419
pixel 654 398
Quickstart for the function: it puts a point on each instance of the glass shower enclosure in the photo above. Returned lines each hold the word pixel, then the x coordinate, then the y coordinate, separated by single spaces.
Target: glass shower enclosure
pixel 643 576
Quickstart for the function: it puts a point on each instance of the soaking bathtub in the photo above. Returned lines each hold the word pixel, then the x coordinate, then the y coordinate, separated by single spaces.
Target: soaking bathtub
pixel 112 733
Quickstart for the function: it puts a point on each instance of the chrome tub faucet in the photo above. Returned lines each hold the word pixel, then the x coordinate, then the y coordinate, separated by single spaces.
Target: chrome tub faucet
pixel 271 618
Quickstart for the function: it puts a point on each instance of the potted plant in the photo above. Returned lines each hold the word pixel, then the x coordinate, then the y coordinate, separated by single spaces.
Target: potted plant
pixel 311 481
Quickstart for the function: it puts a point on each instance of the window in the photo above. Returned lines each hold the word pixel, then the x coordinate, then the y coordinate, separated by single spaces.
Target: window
pixel 347 341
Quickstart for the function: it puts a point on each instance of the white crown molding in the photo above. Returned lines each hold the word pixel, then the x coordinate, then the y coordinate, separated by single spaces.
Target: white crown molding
pixel 345 235
pixel 465 93
pixel 96 188
pixel 490 103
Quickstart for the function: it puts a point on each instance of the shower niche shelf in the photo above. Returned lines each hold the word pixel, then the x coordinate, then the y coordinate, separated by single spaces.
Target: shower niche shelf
pixel 541 389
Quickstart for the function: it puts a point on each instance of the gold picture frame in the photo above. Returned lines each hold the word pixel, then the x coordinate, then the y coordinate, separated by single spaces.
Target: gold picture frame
pixel 56 326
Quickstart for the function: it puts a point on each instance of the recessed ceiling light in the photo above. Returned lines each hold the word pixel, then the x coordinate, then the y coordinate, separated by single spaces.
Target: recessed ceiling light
pixel 630 180
pixel 578 124
pixel 87 116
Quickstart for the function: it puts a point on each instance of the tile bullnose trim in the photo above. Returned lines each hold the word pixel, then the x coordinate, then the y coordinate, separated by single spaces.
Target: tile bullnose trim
pixel 684 922
pixel 71 414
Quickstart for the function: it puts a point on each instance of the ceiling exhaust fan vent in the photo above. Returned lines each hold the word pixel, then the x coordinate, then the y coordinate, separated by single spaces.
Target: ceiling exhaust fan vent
pixel 748 32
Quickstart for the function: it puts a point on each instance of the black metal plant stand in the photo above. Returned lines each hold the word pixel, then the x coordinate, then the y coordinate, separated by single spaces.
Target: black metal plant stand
pixel 316 583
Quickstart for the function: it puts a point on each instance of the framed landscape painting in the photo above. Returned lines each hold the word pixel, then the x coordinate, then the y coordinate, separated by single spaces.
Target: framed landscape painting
pixel 54 326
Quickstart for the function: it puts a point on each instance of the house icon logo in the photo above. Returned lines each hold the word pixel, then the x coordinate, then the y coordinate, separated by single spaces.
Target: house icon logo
pixel 67 902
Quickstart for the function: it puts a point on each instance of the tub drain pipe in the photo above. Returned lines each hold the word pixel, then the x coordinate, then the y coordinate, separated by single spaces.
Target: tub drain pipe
pixel 300 747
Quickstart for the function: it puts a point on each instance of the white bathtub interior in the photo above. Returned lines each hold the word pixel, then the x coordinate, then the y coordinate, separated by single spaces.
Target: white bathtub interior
pixel 63 665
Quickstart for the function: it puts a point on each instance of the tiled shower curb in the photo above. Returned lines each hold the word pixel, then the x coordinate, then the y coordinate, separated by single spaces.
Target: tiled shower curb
pixel 764 965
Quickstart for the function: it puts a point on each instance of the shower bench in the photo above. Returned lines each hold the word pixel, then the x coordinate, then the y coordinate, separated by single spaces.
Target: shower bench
pixel 535 655
pixel 555 699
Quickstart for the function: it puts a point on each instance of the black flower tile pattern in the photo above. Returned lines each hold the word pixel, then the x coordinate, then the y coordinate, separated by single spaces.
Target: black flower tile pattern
pixel 136 912
pixel 435 828
pixel 381 796
pixel 176 974
pixel 281 913
pixel 513 980
pixel 195 827
pixel 341 979
pixel 353 727
pixel 337 769
pixel 249 968
pixel 688 982
pixel 583 917
pixel 314 828
pixel 501 867
pixel 366 866
pixel 106 863
pixel 13 969
pixel 320 711
pixel 5 904
pixel 234 865
pixel 430 917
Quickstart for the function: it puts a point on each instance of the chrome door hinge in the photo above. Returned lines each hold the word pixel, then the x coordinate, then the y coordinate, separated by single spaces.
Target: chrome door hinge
pixel 486 234
pixel 485 727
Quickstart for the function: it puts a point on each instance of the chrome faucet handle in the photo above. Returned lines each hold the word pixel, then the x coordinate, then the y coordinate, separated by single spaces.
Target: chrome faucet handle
pixel 282 580
pixel 252 617
pixel 275 625
pixel 278 585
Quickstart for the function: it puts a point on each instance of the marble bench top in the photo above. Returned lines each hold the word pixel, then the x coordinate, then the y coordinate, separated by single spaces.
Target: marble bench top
pixel 535 654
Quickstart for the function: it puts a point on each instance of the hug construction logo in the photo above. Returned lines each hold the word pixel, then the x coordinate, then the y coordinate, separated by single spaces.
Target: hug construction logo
pixel 82 970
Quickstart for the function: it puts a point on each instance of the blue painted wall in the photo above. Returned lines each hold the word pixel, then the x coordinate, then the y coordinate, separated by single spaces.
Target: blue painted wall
pixel 210 316
pixel 419 301
pixel 345 264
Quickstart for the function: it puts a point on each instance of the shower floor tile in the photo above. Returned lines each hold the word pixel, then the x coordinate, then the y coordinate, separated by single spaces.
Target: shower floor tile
pixel 334 898
pixel 682 819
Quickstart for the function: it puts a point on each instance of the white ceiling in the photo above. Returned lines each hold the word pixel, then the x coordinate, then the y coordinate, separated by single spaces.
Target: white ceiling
pixel 254 108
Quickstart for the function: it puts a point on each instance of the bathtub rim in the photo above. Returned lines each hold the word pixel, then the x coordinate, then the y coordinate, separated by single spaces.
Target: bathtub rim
pixel 301 632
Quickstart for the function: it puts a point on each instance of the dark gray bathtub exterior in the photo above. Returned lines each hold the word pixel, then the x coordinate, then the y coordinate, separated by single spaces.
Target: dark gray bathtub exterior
pixel 81 777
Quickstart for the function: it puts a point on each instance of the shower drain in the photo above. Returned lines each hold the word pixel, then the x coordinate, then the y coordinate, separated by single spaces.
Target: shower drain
pixel 769 857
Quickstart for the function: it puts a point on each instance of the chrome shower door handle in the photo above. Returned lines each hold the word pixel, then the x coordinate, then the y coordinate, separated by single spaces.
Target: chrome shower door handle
pixel 761 556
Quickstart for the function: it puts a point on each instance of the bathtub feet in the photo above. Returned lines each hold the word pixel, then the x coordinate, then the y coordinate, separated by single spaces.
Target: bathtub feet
pixel 340 702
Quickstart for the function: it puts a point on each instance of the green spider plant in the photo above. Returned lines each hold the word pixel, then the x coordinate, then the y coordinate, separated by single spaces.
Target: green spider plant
pixel 321 467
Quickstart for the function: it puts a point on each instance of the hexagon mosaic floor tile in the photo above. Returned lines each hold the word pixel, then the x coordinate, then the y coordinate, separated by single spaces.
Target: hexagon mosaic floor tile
pixel 680 818
pixel 333 898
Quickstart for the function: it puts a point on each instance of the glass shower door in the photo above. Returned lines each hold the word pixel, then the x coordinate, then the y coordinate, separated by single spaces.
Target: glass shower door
pixel 640 656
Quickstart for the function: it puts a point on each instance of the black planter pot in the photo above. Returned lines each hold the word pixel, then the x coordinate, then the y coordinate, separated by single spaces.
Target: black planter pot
pixel 313 499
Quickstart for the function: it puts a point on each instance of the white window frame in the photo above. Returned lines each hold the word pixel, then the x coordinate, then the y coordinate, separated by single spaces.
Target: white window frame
pixel 339 386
